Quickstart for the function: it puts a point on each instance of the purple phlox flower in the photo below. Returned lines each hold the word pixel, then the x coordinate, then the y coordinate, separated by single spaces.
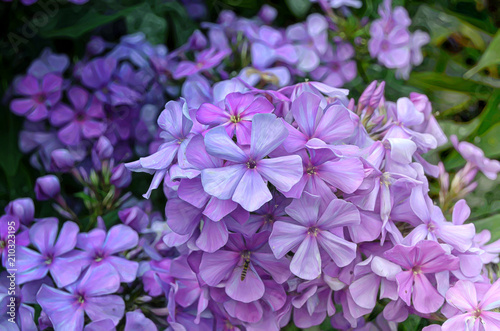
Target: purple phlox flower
pixel 157 273
pixel 477 306
pixel 310 40
pixel 417 40
pixel 98 75
pixel 264 217
pixel 330 124
pixel 311 228
pixel 96 46
pixel 100 325
pixel 270 45
pixel 243 178
pixel 277 76
pixel 273 301
pixel 390 38
pixel 135 320
pixel 184 219
pixel 475 156
pixel 223 88
pixel 22 208
pixel 371 96
pixel 204 60
pixel 328 94
pixel 176 133
pixel 9 234
pixel 435 226
pixel 134 217
pixel 239 264
pixel 405 116
pixel 180 318
pixel 426 257
pixel 48 62
pixel 14 303
pixel 55 256
pixel 62 160
pixel 101 249
pixel 325 173
pixel 38 96
pixel 371 274
pixel 120 176
pixel 312 303
pixel 191 189
pixel 430 124
pixel 91 295
pixel 237 114
pixel 337 66
pixel 188 290
pixel 83 120
pixel 135 48
pixel 196 90
pixel 47 187
pixel 491 251
pixel 40 143
pixel 341 3
pixel 267 14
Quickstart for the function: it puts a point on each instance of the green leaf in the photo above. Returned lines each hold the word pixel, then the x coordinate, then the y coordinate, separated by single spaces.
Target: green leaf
pixel 299 7
pixel 490 57
pixel 88 22
pixel 492 224
pixel 111 218
pixel 432 81
pixel 490 114
pixel 441 25
pixel 145 20
pixel 489 142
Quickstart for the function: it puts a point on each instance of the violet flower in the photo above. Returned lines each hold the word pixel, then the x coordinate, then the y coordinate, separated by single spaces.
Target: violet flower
pixel 475 155
pixel 98 75
pixel 238 265
pixel 243 180
pixel 426 257
pixel 237 115
pixel 55 257
pixel 39 96
pixel 330 125
pixel 90 295
pixel 476 306
pixel 313 227
pixel 205 60
pixel 101 249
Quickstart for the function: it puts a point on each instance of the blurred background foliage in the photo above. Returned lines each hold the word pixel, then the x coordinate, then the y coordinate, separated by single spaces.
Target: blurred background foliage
pixel 460 73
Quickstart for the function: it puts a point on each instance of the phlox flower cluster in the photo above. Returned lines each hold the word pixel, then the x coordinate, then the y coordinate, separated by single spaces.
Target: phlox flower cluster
pixel 321 201
pixel 285 203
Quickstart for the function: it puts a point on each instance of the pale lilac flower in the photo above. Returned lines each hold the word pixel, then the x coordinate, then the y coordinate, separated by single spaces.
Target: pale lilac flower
pixel 238 265
pixel 57 257
pixel 477 306
pixel 426 257
pixel 244 179
pixel 206 59
pixel 90 295
pixel 102 249
pixel 22 208
pixel 475 155
pixel 47 187
pixel 330 125
pixel 270 45
pixel 312 228
pixel 237 115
